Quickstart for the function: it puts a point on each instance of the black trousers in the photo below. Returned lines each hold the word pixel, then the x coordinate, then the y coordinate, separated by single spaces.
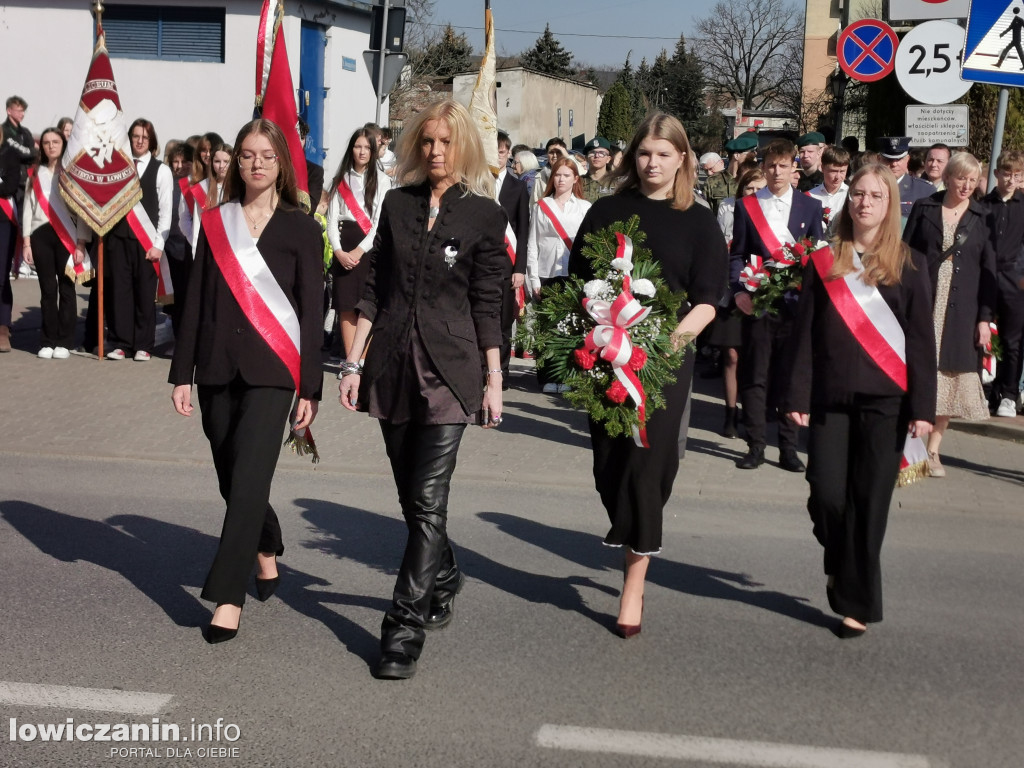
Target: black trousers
pixel 180 270
pixel 1011 332
pixel 245 427
pixel 853 462
pixel 131 284
pixel 422 461
pixel 57 299
pixel 509 312
pixel 762 380
pixel 8 237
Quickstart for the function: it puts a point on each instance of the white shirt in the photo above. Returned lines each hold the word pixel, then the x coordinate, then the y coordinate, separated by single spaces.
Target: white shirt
pixel 164 194
pixel 776 211
pixel 833 202
pixel 338 212
pixel 726 212
pixel 32 215
pixel 498 182
pixel 546 254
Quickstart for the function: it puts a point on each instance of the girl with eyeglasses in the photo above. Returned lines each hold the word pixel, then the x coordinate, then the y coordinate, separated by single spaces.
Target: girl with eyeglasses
pixel 250 340
pixel 862 379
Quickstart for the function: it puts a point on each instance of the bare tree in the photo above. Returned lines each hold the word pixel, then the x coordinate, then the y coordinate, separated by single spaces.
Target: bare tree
pixel 745 49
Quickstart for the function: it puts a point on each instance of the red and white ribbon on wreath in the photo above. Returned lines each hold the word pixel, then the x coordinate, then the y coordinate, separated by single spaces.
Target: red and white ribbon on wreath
pixel 988 360
pixel 610 338
pixel 754 274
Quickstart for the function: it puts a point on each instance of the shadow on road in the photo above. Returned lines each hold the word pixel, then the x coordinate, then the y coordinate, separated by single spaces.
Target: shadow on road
pixel 586 550
pixel 1015 476
pixel 377 541
pixel 162 559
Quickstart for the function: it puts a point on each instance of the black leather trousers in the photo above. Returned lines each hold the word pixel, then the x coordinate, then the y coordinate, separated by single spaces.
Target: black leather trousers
pixel 422 461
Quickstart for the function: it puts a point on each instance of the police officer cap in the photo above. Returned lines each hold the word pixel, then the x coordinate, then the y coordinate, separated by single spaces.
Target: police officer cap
pixel 742 143
pixel 810 138
pixel 598 142
pixel 893 147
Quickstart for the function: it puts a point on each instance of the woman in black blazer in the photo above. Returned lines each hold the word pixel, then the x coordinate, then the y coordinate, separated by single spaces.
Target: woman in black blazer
pixel 433 304
pixel 858 404
pixel 249 358
pixel 949 229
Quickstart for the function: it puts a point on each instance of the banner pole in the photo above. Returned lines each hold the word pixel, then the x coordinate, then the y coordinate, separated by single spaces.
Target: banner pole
pixel 99 299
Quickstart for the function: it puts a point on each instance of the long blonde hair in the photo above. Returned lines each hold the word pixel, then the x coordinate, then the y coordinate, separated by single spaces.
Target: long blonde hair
pixel 887 257
pixel 468 163
pixel 660 126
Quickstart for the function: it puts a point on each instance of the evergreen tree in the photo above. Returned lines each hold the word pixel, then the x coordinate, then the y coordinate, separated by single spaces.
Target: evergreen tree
pixel 446 57
pixel 615 121
pixel 684 85
pixel 548 56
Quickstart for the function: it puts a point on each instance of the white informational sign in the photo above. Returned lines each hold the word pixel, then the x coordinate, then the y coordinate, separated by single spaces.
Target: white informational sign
pixel 928 62
pixel 913 10
pixel 944 124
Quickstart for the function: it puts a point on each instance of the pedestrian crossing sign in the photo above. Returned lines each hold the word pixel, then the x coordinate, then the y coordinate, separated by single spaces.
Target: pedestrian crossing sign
pixel 993 50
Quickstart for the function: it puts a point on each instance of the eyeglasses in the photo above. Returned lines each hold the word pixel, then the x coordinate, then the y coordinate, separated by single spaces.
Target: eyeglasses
pixel 247 160
pixel 874 197
pixel 599 153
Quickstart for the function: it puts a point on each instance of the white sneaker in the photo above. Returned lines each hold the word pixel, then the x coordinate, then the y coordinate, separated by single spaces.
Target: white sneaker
pixel 61 353
pixel 550 388
pixel 45 353
pixel 142 357
pixel 115 354
pixel 1006 408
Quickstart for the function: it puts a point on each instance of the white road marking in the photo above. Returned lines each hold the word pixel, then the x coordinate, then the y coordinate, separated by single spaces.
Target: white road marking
pixel 758 754
pixel 68 697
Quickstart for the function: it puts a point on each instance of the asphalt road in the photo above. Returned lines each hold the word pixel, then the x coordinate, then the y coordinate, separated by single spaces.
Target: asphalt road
pixel 108 521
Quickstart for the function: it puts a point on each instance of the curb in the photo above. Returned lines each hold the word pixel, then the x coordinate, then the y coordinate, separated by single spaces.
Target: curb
pixel 1001 429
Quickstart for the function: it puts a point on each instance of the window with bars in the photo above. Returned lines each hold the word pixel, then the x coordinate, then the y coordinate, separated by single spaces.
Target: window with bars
pixel 164 32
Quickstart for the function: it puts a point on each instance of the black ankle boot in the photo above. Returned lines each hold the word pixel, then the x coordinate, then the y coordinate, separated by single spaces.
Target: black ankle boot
pixel 729 430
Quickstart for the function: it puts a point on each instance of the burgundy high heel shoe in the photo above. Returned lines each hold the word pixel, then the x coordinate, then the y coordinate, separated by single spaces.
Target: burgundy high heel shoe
pixel 626 631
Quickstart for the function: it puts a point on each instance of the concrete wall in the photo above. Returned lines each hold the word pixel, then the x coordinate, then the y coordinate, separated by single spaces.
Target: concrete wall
pixel 528 105
pixel 182 98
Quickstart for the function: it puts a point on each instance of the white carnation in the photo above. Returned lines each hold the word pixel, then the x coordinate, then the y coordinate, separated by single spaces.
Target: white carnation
pixel 595 288
pixel 623 265
pixel 643 287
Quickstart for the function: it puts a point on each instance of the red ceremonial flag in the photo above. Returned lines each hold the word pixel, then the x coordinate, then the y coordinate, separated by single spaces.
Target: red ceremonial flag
pixel 278 97
pixel 97 177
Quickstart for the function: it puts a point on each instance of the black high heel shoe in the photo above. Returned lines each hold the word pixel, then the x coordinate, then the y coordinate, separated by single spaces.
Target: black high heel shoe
pixel 265 588
pixel 217 634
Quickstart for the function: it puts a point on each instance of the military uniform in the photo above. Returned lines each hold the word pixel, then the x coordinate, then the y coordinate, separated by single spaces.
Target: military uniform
pixel 593 189
pixel 912 188
pixel 718 187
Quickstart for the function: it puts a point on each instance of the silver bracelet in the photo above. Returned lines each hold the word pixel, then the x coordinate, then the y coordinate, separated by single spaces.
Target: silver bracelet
pixel 346 368
pixel 495 371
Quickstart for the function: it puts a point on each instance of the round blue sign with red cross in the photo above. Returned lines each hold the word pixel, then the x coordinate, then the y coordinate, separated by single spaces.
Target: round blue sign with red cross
pixel 866 50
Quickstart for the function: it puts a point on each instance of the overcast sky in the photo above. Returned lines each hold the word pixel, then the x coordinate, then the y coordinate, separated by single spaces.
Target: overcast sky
pixel 643 26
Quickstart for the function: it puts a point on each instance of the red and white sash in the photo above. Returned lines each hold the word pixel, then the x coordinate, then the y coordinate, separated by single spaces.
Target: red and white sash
pixel 346 194
pixel 186 192
pixel 199 193
pixel 10 209
pixel 875 327
pixel 865 313
pixel 144 231
pixel 59 216
pixel 764 229
pixel 253 284
pixel 559 228
pixel 510 248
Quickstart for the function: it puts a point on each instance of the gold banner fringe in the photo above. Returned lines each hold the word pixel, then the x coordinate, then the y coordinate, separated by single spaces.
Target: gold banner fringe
pixel 912 474
pixel 301 446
